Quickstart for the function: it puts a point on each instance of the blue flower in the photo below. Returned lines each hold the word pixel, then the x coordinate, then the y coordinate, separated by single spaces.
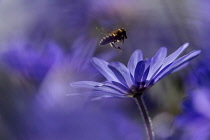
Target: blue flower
pixel 29 61
pixel 195 108
pixel 195 114
pixel 139 75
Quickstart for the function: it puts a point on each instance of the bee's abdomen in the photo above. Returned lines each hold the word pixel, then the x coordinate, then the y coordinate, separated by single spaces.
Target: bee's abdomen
pixel 107 39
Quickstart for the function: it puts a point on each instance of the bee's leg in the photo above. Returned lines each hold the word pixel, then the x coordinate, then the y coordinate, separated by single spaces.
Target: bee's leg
pixel 115 46
pixel 112 45
pixel 121 40
pixel 119 49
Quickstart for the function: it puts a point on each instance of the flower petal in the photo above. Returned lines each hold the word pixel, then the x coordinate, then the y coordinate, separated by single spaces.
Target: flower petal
pixel 122 87
pixel 144 77
pixel 157 61
pixel 118 75
pixel 109 96
pixel 84 84
pixel 151 81
pixel 123 70
pixel 174 55
pixel 180 67
pixel 176 65
pixel 134 59
pixel 116 86
pixel 102 67
pixel 106 87
pixel 139 71
pixel 148 62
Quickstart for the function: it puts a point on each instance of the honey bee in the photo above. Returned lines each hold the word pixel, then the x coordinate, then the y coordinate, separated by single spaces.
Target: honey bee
pixel 116 36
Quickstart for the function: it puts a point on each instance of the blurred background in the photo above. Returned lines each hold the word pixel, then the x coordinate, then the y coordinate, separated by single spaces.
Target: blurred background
pixel 46 44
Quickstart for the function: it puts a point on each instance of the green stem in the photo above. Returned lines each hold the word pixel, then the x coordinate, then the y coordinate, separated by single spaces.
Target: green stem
pixel 147 120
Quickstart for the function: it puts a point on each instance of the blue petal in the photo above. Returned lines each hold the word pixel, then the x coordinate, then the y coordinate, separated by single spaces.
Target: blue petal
pixel 148 62
pixel 118 75
pixel 174 55
pixel 122 69
pixel 85 84
pixel 139 71
pixel 109 96
pixel 177 64
pixel 180 67
pixel 144 77
pixel 102 66
pixel 116 86
pixel 152 81
pixel 134 59
pixel 106 87
pixel 147 69
pixel 157 61
pixel 122 87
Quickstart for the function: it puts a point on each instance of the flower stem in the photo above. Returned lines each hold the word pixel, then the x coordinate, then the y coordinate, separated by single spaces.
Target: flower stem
pixel 144 113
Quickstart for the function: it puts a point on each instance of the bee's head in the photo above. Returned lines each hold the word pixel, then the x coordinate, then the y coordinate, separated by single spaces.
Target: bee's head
pixel 123 29
pixel 123 32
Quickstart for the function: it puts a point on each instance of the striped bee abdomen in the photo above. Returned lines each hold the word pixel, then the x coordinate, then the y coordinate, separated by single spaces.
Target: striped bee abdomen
pixel 107 39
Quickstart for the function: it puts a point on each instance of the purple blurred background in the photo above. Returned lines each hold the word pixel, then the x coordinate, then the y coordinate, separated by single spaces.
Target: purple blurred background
pixel 46 44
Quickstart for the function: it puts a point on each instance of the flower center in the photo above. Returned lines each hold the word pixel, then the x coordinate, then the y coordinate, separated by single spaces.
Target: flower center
pixel 136 90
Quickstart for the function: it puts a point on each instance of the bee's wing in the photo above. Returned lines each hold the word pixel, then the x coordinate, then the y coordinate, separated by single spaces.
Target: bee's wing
pixel 100 30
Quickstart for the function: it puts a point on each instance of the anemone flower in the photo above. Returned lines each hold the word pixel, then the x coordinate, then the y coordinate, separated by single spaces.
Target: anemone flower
pixel 29 61
pixel 138 76
pixel 195 114
pixel 195 108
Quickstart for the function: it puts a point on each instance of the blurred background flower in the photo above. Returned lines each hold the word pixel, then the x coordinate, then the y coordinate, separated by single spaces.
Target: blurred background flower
pixel 46 44
pixel 194 121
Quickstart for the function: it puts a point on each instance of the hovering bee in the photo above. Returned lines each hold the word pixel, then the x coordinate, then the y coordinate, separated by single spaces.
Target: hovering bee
pixel 116 36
